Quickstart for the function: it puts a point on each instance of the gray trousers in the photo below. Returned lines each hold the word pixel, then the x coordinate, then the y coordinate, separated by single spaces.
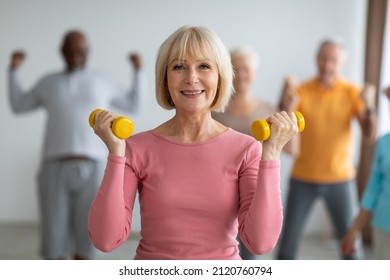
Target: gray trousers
pixel 341 201
pixel 65 191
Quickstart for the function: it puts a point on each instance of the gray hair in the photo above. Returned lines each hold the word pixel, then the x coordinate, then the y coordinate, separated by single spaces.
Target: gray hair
pixel 246 51
pixel 335 41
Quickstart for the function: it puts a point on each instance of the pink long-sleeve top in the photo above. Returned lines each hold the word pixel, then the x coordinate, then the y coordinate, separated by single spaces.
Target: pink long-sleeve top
pixel 194 198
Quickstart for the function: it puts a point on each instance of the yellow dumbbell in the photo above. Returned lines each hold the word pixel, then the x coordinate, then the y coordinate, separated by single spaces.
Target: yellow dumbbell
pixel 122 127
pixel 261 130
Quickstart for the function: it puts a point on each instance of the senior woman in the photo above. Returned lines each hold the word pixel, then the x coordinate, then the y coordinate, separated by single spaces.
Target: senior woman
pixel 245 107
pixel 199 182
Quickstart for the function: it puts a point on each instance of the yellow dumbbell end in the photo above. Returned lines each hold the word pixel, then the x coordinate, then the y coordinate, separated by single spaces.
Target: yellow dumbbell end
pixel 261 130
pixel 301 121
pixel 122 127
pixel 92 116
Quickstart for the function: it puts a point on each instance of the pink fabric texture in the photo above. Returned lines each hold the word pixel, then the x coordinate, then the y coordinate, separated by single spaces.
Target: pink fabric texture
pixel 194 198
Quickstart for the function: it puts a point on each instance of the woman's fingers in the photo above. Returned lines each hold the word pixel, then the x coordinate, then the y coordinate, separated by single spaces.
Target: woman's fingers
pixel 102 128
pixel 103 121
pixel 283 124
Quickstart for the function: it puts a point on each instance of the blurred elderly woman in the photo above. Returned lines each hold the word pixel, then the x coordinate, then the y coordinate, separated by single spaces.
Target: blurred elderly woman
pixel 199 182
pixel 245 107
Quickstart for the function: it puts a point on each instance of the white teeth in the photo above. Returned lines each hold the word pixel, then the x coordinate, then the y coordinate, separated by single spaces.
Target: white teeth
pixel 192 92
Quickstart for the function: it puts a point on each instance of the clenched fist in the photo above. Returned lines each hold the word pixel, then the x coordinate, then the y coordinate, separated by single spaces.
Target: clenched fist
pixel 135 59
pixel 17 59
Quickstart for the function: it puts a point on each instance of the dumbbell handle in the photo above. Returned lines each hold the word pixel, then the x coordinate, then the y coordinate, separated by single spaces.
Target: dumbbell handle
pixel 122 127
pixel 261 130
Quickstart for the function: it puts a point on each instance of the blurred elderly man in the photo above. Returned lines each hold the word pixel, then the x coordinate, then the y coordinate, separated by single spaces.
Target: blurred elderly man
pixel 72 158
pixel 324 167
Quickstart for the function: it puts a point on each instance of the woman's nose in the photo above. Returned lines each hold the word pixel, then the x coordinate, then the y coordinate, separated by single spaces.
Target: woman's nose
pixel 192 76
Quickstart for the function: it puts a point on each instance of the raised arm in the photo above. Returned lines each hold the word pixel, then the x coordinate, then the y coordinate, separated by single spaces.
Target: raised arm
pixel 20 101
pixel 135 98
pixel 261 211
pixel 289 100
pixel 367 118
pixel 109 222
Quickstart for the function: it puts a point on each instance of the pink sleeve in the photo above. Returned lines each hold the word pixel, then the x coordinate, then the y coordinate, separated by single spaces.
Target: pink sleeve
pixel 261 211
pixel 111 211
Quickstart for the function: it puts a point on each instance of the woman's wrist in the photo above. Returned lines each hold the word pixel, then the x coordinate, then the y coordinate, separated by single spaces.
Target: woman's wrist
pixel 117 150
pixel 270 153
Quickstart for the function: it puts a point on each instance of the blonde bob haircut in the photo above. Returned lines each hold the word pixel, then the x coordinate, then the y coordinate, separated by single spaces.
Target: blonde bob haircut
pixel 198 43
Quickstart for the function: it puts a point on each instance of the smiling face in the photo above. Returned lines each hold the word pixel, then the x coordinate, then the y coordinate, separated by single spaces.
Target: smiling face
pixel 196 52
pixel 192 84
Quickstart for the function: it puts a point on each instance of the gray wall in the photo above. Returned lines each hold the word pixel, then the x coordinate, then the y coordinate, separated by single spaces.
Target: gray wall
pixel 286 34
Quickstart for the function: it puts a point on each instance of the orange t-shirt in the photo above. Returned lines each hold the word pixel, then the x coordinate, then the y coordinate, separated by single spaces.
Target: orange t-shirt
pixel 326 143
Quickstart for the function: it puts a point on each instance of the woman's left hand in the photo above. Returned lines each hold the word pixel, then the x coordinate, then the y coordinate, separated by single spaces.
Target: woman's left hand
pixel 283 128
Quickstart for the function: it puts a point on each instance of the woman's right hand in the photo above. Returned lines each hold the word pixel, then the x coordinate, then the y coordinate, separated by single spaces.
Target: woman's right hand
pixel 284 127
pixel 102 128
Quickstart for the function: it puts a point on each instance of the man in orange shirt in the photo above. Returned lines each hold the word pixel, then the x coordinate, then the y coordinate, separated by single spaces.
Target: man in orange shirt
pixel 324 167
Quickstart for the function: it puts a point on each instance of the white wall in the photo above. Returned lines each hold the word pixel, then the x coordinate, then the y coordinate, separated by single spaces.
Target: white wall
pixel 286 34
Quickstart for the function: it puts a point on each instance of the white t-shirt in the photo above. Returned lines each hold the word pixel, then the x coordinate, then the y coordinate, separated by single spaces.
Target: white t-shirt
pixel 69 98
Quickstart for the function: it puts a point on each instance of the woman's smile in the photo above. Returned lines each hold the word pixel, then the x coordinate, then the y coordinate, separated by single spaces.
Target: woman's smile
pixel 192 93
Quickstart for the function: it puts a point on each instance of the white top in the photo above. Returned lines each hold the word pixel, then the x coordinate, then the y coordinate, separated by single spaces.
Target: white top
pixel 69 98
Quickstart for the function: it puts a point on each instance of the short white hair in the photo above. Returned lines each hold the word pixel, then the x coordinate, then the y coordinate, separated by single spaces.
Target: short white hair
pixel 246 51
pixel 334 41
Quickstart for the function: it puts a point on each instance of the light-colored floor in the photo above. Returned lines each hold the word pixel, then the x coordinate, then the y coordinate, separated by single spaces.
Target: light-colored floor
pixel 20 242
